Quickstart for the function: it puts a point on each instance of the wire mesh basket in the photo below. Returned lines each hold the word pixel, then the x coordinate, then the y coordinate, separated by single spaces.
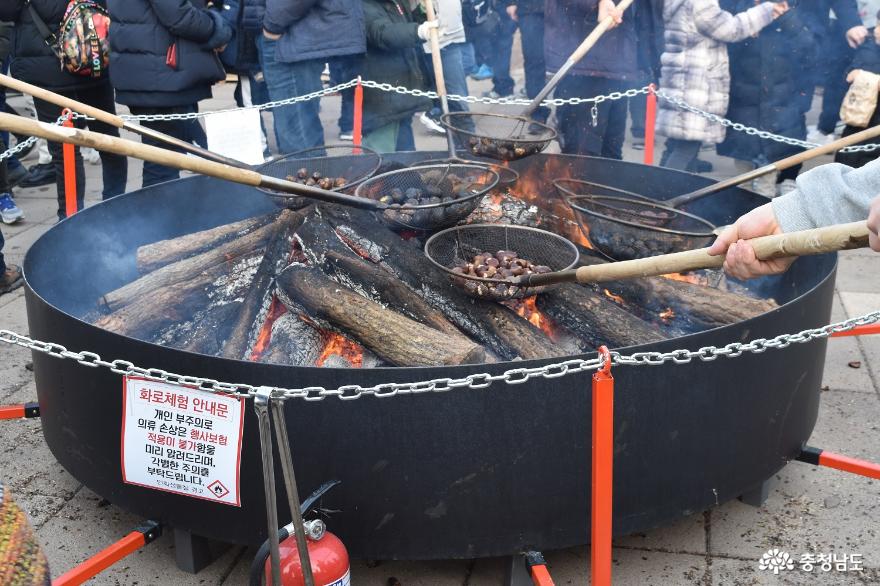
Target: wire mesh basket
pixel 608 223
pixel 498 136
pixel 507 177
pixel 616 204
pixel 485 259
pixel 429 197
pixel 338 168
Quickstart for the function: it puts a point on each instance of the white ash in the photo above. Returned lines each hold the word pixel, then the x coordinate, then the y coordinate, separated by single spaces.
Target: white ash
pixel 234 285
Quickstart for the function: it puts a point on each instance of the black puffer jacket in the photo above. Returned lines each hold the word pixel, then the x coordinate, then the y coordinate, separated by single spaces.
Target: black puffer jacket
pixel 766 80
pixel 32 60
pixel 393 47
pixel 6 32
pixel 141 35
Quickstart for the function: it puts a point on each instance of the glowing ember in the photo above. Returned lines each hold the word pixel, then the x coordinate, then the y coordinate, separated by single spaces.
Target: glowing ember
pixel 527 309
pixel 338 345
pixel 497 198
pixel 687 278
pixel 615 298
pixel 667 315
pixel 276 310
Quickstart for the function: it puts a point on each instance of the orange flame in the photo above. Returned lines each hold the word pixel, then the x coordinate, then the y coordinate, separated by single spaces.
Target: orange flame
pixel 527 309
pixel 667 315
pixel 336 344
pixel 613 297
pixel 276 310
pixel 687 278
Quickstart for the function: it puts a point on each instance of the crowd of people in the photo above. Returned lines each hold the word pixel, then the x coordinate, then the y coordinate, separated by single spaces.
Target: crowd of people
pixel 756 63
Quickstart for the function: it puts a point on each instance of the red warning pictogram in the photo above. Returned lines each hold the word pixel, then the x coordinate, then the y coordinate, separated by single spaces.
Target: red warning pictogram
pixel 217 489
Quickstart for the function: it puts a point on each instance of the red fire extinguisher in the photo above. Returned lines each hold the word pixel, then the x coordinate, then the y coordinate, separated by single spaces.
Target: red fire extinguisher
pixel 327 553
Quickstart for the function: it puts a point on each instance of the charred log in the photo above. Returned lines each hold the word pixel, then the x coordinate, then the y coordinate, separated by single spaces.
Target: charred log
pixel 249 319
pixel 593 317
pixel 151 257
pixel 293 342
pixel 393 337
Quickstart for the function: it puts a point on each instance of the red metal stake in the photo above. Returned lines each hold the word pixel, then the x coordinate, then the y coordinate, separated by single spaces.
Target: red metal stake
pixel 69 168
pixel 858 331
pixel 819 457
pixel 109 556
pixel 602 473
pixel 357 128
pixel 27 410
pixel 650 121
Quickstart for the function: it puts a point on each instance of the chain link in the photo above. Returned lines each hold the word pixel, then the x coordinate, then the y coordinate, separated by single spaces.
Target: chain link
pixel 473 381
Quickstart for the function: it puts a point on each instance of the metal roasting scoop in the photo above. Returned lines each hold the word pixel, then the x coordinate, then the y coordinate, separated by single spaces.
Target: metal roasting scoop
pixel 445 249
pixel 506 137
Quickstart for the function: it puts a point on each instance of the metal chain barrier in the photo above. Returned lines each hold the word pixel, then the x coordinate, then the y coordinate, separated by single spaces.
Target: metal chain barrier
pixel 474 381
pixel 25 144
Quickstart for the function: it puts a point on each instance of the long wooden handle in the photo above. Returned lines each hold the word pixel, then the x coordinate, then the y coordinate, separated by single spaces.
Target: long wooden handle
pixel 806 242
pixel 780 165
pixel 574 59
pixel 128 148
pixel 439 78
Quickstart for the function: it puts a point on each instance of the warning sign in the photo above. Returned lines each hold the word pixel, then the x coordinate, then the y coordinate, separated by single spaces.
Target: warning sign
pixel 180 440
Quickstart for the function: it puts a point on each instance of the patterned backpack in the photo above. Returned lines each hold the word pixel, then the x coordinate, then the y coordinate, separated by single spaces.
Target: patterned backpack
pixel 81 43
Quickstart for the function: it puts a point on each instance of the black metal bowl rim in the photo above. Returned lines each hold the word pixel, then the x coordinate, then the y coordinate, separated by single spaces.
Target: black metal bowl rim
pixel 497 167
pixel 297 154
pixel 572 202
pixel 568 192
pixel 562 241
pixel 480 193
pixel 445 120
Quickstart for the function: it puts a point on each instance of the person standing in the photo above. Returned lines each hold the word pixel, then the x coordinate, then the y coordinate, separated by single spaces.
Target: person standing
pixel 34 62
pixel 298 39
pixel 529 15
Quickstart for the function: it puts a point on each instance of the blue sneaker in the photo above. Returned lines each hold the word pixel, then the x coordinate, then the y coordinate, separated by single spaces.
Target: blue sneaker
pixel 484 72
pixel 9 212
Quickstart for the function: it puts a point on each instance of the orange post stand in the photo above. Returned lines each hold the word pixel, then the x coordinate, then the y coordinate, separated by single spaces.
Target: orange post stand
pixel 358 126
pixel 24 411
pixel 99 562
pixel 69 156
pixel 819 457
pixel 537 567
pixel 650 122
pixel 602 473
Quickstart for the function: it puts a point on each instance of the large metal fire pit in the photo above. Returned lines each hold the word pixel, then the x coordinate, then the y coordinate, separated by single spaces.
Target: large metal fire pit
pixel 466 473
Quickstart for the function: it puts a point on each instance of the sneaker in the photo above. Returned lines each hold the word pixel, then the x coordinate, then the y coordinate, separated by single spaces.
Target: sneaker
pixel 16 176
pixel 483 72
pixel 40 174
pixel 429 122
pixel 90 156
pixel 11 279
pixel 816 136
pixel 700 166
pixel 786 186
pixel 522 93
pixel 495 95
pixel 346 136
pixel 9 212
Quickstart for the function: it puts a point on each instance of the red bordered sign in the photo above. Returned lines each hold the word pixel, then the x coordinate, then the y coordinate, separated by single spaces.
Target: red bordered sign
pixel 181 440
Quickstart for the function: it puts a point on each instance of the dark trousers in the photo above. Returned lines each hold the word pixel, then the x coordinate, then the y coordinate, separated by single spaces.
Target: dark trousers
pixel 840 56
pixel 343 69
pixel 502 47
pixel 680 153
pixel 531 29
pixel 574 123
pixel 185 130
pixel 114 168
pixel 861 158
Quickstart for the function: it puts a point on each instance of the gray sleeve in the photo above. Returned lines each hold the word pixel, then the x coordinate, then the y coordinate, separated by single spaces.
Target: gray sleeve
pixel 723 26
pixel 830 194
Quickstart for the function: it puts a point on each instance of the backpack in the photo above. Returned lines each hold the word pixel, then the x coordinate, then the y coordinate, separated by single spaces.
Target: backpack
pixel 81 43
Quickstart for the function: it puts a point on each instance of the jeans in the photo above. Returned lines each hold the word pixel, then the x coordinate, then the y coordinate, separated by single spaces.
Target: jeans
pixel 453 75
pixel 186 130
pixel 468 58
pixel 343 69
pixel 501 50
pixel 574 123
pixel 297 126
pixel 531 28
pixel 114 168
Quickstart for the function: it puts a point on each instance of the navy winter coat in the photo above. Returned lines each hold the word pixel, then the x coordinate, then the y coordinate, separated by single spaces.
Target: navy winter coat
pixel 32 60
pixel 141 35
pixel 241 54
pixel 766 80
pixel 316 29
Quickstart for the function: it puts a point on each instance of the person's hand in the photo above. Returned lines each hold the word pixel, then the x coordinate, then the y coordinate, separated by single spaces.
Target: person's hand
pixel 779 8
pixel 608 8
pixel 220 49
pixel 874 224
pixel 424 30
pixel 856 36
pixel 852 75
pixel 511 12
pixel 271 36
pixel 740 260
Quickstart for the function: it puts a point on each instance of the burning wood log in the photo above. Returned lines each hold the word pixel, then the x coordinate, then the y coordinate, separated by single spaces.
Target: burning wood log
pixel 183 270
pixel 593 317
pixel 393 337
pixel 247 323
pixel 151 257
pixel 293 342
pixel 380 285
pixel 495 326
pixel 702 306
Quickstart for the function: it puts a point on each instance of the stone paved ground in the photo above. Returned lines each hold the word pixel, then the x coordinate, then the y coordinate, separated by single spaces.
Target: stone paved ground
pixel 810 510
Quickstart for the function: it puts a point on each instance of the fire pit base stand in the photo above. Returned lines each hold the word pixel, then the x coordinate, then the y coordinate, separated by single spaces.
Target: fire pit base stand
pixel 193 553
pixel 758 495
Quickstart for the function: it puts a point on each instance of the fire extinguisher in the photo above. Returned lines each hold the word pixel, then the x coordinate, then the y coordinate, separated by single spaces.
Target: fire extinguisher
pixel 329 558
